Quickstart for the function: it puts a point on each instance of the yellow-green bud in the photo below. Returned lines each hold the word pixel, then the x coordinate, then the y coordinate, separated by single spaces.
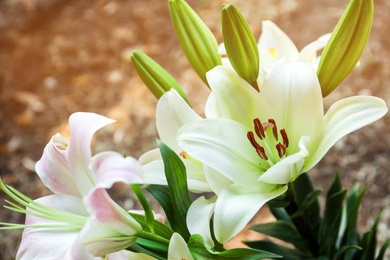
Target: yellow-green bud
pixel 241 46
pixel 155 77
pixel 346 44
pixel 196 39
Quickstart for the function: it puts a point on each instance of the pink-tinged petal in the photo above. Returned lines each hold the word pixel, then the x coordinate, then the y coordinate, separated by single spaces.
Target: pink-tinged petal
pixel 198 219
pixel 173 112
pixel 235 207
pixel 53 168
pixel 109 228
pixel 178 249
pixel 54 241
pixel 111 167
pixel 289 168
pixel 78 251
pixel 83 126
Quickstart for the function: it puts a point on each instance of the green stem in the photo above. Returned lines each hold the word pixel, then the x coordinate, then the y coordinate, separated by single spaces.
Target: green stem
pixel 153 237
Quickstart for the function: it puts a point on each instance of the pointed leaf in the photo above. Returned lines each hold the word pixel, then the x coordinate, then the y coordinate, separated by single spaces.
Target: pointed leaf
pixel 286 252
pixel 175 172
pixel 149 216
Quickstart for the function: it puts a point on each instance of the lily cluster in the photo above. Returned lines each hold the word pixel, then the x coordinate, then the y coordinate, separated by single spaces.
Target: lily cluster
pixel 264 128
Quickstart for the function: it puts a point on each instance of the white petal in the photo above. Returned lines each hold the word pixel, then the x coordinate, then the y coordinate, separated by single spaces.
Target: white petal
pixel 291 95
pixel 216 180
pixel 344 117
pixel 309 52
pixel 111 167
pixel 235 98
pixel 212 110
pixel 274 39
pixel 178 249
pixel 198 219
pixel 289 168
pixel 223 145
pixel 173 112
pixel 51 243
pixel 235 207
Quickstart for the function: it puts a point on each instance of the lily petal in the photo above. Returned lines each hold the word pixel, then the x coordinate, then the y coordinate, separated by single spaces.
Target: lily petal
pixel 198 218
pixel 109 228
pixel 178 249
pixel 291 95
pixel 275 41
pixel 236 98
pixel 235 207
pixel 111 167
pixel 172 112
pixel 53 242
pixel 344 117
pixel 206 141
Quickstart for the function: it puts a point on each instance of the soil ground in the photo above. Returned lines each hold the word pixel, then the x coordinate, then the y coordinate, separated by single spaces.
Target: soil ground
pixel 58 57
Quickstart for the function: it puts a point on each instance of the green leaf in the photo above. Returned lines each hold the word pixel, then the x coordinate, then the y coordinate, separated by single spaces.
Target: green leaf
pixel 340 254
pixel 155 77
pixel 140 249
pixel 351 234
pixel 307 202
pixel 346 44
pixel 383 249
pixel 196 39
pixel 369 240
pixel 286 252
pixel 175 172
pixel 241 46
pixel 280 214
pixel 329 229
pixel 159 228
pixel 198 251
pixel 149 216
pixel 283 231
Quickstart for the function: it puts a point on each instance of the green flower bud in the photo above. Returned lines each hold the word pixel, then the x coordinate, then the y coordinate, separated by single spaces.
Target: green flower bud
pixel 196 39
pixel 155 77
pixel 346 44
pixel 241 46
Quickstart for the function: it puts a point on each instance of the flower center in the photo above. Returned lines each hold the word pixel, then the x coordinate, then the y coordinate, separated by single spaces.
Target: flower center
pixel 269 144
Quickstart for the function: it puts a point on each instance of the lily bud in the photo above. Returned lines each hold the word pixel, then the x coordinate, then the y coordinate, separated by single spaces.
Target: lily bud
pixel 346 44
pixel 196 39
pixel 241 46
pixel 155 77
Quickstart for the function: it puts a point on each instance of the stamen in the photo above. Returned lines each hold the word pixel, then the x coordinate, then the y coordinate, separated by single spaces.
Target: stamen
pixel 284 137
pixel 259 149
pixel 281 150
pixel 274 129
pixel 259 128
pixel 183 154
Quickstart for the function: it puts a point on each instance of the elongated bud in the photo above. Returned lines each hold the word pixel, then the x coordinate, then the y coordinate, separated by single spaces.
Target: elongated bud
pixel 196 39
pixel 155 77
pixel 240 44
pixel 346 44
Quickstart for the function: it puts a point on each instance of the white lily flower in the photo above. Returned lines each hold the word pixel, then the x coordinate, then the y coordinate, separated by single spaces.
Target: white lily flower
pixel 257 143
pixel 80 219
pixel 172 113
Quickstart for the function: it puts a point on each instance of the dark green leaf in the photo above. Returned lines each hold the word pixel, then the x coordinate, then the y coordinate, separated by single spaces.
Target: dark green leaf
pixel 383 249
pixel 308 201
pixel 139 249
pixel 280 213
pixel 340 254
pixel 175 172
pixel 332 217
pixel 369 240
pixel 283 231
pixel 198 251
pixel 286 252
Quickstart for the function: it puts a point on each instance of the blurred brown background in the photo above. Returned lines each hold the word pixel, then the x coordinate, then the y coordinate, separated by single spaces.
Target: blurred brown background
pixel 59 57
